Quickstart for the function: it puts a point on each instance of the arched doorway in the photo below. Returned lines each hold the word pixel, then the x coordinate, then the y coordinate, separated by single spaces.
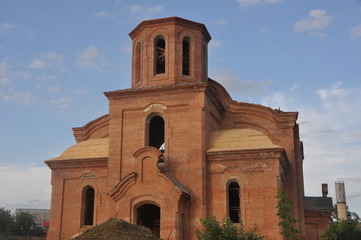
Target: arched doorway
pixel 149 217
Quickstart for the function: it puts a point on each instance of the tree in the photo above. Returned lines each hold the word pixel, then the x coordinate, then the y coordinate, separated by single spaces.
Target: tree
pixel 287 222
pixel 343 229
pixel 5 220
pixel 213 230
pixel 24 222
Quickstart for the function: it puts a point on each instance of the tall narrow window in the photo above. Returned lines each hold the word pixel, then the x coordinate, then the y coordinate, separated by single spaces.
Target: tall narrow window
pixel 156 132
pixel 159 55
pixel 234 202
pixel 88 205
pixel 185 56
pixel 137 62
pixel 205 63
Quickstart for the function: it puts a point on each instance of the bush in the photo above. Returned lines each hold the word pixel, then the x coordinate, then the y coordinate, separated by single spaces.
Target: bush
pixel 213 230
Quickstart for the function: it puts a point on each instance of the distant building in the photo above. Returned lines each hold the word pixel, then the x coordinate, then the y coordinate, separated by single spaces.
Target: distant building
pixel 176 148
pixel 41 216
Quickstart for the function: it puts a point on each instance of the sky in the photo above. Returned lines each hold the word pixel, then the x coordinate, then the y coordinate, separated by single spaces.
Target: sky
pixel 58 57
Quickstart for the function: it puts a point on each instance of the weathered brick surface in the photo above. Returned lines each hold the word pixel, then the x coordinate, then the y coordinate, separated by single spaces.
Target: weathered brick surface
pixel 192 182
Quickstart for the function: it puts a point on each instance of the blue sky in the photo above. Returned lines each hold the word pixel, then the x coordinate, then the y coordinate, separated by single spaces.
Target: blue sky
pixel 58 57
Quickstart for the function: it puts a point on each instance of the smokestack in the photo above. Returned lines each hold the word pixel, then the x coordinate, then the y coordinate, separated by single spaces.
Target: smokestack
pixel 341 200
pixel 324 189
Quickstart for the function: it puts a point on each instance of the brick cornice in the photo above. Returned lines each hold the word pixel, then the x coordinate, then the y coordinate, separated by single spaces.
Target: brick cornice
pixel 245 155
pixel 171 21
pixel 156 89
pixel 123 186
pixel 77 163
pixel 83 133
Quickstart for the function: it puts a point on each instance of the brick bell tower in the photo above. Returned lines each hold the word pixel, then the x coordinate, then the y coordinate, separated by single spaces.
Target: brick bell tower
pixel 168 51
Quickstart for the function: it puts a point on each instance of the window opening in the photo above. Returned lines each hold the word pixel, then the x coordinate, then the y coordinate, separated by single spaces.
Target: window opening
pixel 185 56
pixel 149 217
pixel 205 63
pixel 160 56
pixel 156 132
pixel 234 202
pixel 89 206
pixel 137 62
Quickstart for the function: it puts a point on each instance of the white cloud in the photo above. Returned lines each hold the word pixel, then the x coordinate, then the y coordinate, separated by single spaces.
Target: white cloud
pixel 6 27
pixel 316 20
pixel 4 75
pixel 232 81
pixel 331 133
pixel 12 95
pixel 145 11
pixel 248 3
pixel 91 58
pixel 62 102
pixel 356 31
pixel 266 30
pixel 221 22
pixel 46 60
pixel 126 47
pixel 37 63
pixel 47 77
pixel 103 14
pixel 215 44
pixel 53 89
pixel 25 195
pixel 52 56
pixel 334 91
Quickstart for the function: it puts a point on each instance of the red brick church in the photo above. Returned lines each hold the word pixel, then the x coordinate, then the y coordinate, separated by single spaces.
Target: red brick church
pixel 176 148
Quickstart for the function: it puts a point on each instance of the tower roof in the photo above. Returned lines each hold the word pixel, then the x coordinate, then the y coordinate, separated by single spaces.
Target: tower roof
pixel 171 20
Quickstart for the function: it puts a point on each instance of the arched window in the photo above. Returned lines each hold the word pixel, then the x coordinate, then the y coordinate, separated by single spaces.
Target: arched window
pixel 234 202
pixel 159 55
pixel 138 52
pixel 88 205
pixel 185 56
pixel 156 132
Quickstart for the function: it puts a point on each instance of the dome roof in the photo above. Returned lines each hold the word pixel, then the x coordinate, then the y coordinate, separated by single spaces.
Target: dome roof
pixel 89 149
pixel 239 139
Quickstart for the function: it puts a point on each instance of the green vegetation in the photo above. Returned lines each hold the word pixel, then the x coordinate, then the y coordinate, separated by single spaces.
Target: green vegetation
pixel 213 230
pixel 18 224
pixel 287 222
pixel 343 229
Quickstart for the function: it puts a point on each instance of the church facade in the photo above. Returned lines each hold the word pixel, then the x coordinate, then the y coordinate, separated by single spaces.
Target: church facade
pixel 175 148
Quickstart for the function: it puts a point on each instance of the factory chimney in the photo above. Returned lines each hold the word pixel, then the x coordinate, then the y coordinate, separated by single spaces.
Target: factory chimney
pixel 341 200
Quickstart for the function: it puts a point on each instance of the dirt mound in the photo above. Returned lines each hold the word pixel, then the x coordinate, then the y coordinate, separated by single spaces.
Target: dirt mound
pixel 116 229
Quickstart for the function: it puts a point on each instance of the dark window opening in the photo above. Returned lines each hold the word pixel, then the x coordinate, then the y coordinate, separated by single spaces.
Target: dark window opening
pixel 234 202
pixel 149 217
pixel 137 62
pixel 160 56
pixel 205 63
pixel 89 206
pixel 156 132
pixel 185 56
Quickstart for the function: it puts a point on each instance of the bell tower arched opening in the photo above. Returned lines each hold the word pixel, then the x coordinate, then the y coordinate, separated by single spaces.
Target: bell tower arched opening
pixel 186 56
pixel 156 132
pixel 159 55
pixel 149 217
